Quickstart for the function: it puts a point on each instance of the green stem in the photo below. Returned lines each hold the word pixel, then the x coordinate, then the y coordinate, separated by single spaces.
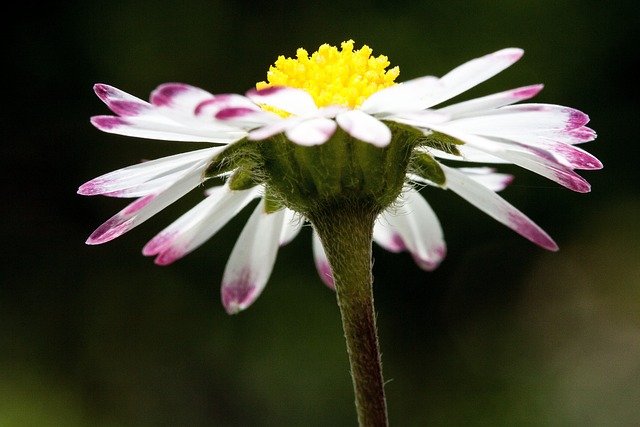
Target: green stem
pixel 346 232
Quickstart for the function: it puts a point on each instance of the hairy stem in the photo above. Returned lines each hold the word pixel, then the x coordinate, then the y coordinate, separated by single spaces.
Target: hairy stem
pixel 346 231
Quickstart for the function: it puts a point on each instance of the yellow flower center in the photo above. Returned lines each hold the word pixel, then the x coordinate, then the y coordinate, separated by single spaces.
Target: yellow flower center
pixel 332 77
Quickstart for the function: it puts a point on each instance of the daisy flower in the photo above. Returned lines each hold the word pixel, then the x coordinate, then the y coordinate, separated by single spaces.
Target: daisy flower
pixel 330 123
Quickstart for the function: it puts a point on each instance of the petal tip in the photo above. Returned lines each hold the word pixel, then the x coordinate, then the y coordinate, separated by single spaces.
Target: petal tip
pixel 239 293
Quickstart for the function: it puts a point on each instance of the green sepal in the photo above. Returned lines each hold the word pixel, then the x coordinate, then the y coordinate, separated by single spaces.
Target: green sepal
pixel 425 166
pixel 442 142
pixel 244 178
pixel 271 202
pixel 232 157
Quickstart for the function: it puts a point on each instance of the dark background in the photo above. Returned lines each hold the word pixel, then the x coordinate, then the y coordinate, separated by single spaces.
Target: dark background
pixel 502 334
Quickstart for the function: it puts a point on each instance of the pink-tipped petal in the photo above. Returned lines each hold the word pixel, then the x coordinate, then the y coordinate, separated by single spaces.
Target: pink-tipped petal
pixel 239 292
pixel 145 178
pixel 272 129
pixel 529 157
pixel 144 208
pixel 179 96
pixel 412 224
pixel 364 127
pixel 387 237
pixel 252 259
pixel 321 262
pixel 291 100
pixel 522 119
pixel 211 106
pixel 198 224
pixel 472 73
pixel 109 124
pixel 246 118
pixel 114 227
pixel 578 135
pixel 492 101
pixel 496 207
pixel 314 131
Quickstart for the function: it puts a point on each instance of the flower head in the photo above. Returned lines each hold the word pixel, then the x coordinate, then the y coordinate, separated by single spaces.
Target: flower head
pixel 327 127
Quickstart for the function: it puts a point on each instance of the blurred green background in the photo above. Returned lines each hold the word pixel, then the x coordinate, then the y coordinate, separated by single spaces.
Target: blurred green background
pixel 502 334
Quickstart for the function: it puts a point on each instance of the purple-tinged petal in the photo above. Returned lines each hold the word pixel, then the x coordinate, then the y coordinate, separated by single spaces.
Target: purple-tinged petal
pixel 210 106
pixel 247 118
pixel 472 73
pixel 577 136
pixel 411 223
pixel 128 108
pixel 239 291
pixel 162 128
pixel 109 94
pixel 172 118
pixel 252 259
pixel 121 102
pixel 571 156
pixel 529 157
pixel 109 123
pixel 364 127
pixel 314 131
pixel 496 207
pixel 387 237
pixel 577 119
pixel 490 102
pixel 179 96
pixel 199 224
pixel 234 113
pixel 322 262
pixel 142 209
pixel 147 177
pixel 272 129
pixel 291 100
pixel 522 119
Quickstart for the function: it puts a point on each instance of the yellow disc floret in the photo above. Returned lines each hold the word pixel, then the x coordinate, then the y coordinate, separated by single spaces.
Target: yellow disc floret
pixel 333 77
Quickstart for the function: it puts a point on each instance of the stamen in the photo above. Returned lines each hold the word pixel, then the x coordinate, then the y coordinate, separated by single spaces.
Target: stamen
pixel 332 77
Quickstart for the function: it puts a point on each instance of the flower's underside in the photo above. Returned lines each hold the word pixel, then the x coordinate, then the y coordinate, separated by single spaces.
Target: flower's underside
pixel 312 101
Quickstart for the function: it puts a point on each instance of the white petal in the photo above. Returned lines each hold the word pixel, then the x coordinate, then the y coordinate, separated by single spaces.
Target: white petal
pixel 364 127
pixel 273 129
pixel 147 177
pixel 413 225
pixel 534 159
pixel 520 119
pixel 488 177
pixel 246 118
pixel 199 224
pixel 292 224
pixel 420 119
pixel 291 100
pixel 496 207
pixel 164 129
pixel 490 102
pixel 471 74
pixel 210 107
pixel 172 115
pixel 179 97
pixel 402 97
pixel 144 208
pixel 321 262
pixel 252 259
pixel 314 131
